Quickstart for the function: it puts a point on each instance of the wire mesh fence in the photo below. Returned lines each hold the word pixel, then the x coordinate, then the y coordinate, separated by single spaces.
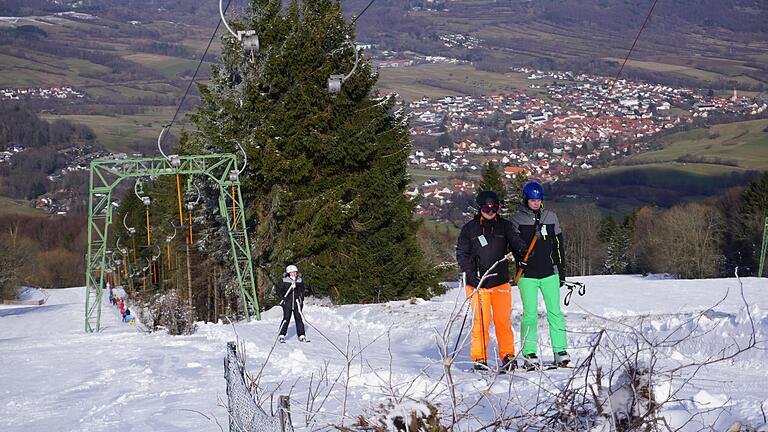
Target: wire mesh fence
pixel 245 415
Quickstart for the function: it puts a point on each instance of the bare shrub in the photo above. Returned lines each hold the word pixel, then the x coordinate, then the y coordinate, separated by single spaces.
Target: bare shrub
pixel 54 269
pixel 421 416
pixel 171 312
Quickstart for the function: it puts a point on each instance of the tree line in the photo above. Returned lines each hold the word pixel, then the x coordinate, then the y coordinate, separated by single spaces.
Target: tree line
pixel 41 251
pixel 704 239
pixel 25 174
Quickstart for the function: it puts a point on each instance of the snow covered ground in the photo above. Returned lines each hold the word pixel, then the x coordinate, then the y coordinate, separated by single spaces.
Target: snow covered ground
pixel 55 377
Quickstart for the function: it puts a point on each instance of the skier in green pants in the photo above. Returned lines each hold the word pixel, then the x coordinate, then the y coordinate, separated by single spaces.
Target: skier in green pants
pixel 543 270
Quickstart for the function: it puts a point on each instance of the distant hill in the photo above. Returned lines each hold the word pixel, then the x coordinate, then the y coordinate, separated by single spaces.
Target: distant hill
pixel 133 58
pixel 720 43
pixel 700 43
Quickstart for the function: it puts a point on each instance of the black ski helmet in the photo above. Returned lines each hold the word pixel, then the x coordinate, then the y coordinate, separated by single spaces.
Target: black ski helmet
pixel 487 197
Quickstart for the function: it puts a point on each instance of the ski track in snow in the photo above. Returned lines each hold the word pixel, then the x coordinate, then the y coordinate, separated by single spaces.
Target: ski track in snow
pixel 56 377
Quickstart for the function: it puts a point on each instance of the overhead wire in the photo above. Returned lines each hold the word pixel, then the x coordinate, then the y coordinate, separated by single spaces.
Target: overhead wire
pixel 189 86
pixel 194 75
pixel 621 69
pixel 618 74
pixel 362 12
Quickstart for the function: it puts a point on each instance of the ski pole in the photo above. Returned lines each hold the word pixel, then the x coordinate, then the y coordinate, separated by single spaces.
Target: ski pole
pixel 527 254
pixel 570 285
pixel 486 275
pixel 466 312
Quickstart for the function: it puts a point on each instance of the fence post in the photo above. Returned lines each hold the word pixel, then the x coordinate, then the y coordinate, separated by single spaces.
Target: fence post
pixel 231 354
pixel 285 414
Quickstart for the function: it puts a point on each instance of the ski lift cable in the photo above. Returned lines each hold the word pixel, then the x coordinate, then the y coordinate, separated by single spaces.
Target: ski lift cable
pixel 245 158
pixel 335 81
pixel 168 240
pixel 362 12
pixel 130 230
pixel 190 205
pixel 248 39
pixel 222 13
pixel 224 19
pixel 357 58
pixel 136 186
pixel 146 201
pixel 124 252
pixel 192 80
pixel 621 69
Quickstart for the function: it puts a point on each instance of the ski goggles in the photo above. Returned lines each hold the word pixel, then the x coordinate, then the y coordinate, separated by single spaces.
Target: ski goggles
pixel 490 208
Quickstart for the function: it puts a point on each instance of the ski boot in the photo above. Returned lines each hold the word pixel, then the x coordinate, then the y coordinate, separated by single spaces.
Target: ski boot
pixel 480 366
pixel 531 362
pixel 509 364
pixel 303 338
pixel 281 339
pixel 562 359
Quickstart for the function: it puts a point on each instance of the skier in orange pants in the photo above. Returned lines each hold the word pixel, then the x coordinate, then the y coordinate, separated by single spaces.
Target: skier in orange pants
pixel 483 241
pixel 492 304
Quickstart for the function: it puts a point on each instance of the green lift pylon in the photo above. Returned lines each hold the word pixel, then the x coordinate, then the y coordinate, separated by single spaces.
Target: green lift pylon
pixel 106 174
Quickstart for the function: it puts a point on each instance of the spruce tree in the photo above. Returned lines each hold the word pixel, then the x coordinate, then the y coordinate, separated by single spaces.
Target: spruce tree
pixel 492 180
pixel 751 223
pixel 756 198
pixel 616 260
pixel 616 238
pixel 515 192
pixel 608 227
pixel 326 174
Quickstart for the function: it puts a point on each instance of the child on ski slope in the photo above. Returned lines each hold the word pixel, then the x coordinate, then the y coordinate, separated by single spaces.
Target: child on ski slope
pixel 291 292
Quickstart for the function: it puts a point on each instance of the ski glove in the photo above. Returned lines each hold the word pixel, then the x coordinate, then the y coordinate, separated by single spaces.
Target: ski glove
pixel 472 279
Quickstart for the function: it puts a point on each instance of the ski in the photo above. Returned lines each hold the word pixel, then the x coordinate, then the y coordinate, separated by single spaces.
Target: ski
pixel 489 372
pixel 547 367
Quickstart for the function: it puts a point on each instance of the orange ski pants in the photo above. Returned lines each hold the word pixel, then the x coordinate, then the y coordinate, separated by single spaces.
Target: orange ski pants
pixel 488 304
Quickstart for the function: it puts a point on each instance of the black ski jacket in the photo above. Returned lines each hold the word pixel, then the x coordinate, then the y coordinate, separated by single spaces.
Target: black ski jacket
pixel 481 243
pixel 548 255
pixel 284 290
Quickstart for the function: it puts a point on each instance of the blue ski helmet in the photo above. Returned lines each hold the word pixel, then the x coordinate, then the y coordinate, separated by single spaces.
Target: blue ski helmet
pixel 487 197
pixel 533 190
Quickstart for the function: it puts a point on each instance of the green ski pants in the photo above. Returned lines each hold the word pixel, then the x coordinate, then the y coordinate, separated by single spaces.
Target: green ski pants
pixel 529 295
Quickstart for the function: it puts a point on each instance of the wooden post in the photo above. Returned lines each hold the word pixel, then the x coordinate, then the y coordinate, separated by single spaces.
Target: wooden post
pixel 285 413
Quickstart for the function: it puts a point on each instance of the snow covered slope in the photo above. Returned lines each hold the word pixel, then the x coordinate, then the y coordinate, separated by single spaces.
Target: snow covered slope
pixel 55 377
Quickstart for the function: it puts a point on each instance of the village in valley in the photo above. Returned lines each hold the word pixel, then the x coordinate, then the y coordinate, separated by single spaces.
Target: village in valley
pixel 63 92
pixel 563 123
pixel 574 122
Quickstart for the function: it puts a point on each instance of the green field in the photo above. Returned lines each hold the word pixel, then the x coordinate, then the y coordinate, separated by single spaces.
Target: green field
pixel 745 143
pixel 668 172
pixel 170 67
pixel 22 67
pixel 624 188
pixel 419 176
pixel 696 67
pixel 9 206
pixel 718 158
pixel 439 80
pixel 122 133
